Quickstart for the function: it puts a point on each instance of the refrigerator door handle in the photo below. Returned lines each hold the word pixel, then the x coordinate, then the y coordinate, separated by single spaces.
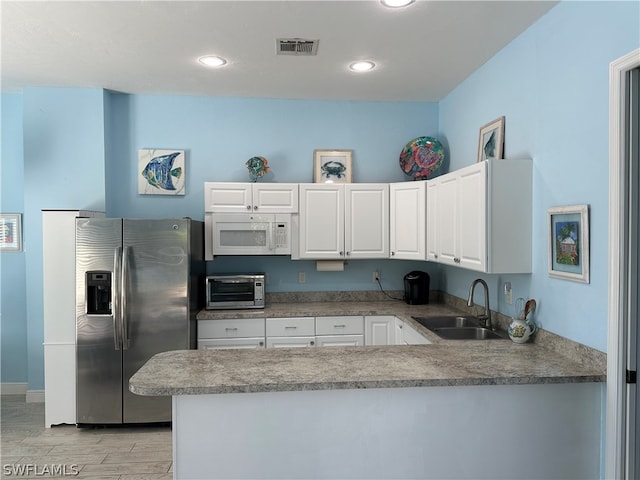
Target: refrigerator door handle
pixel 117 297
pixel 123 298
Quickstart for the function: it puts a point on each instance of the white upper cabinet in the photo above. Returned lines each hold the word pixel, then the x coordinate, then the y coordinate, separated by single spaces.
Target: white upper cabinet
pixel 339 221
pixel 237 197
pixel 321 233
pixel 407 222
pixel 367 220
pixel 480 217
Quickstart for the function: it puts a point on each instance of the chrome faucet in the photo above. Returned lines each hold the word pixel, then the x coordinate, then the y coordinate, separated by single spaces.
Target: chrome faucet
pixel 486 317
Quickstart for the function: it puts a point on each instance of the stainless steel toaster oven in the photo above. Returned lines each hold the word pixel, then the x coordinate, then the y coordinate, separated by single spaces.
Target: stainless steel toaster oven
pixel 235 291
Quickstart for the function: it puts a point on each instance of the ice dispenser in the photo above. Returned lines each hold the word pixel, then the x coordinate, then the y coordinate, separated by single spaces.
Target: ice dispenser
pixel 98 293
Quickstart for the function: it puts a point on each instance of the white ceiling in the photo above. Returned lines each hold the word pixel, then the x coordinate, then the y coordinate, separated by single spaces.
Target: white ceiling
pixel 422 52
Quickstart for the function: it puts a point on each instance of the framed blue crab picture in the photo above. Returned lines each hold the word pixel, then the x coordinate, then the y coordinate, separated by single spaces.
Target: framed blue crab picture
pixel 161 172
pixel 332 166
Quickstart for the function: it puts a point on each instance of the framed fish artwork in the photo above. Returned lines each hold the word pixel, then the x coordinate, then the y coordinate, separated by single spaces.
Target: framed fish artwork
pixel 332 166
pixel 491 142
pixel 161 172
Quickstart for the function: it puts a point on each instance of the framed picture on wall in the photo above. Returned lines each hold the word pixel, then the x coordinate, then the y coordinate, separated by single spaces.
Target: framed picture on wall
pixel 332 166
pixel 161 172
pixel 10 232
pixel 568 229
pixel 491 141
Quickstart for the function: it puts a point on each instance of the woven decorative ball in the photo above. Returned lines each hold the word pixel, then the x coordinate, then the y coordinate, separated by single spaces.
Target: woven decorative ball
pixel 421 157
pixel 257 167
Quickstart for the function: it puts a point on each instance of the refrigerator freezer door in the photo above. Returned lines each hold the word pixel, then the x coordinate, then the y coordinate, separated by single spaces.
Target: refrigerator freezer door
pixel 99 363
pixel 156 269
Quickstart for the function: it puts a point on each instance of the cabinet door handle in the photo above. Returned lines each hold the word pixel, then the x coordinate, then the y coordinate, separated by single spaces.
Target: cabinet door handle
pixel 456 259
pixel 312 343
pixel 435 256
pixel 348 253
pixel 341 253
pixel 248 207
pixel 255 207
pixel 231 329
pixel 393 253
pixel 339 326
pixel 261 344
pixel 293 327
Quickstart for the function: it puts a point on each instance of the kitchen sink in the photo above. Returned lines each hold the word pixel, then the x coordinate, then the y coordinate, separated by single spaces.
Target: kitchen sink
pixel 467 333
pixel 447 321
pixel 458 327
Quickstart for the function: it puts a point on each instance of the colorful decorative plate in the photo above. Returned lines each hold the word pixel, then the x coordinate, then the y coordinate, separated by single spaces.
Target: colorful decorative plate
pixel 421 157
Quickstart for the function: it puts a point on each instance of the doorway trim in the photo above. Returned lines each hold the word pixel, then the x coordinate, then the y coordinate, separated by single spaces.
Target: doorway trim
pixel 615 434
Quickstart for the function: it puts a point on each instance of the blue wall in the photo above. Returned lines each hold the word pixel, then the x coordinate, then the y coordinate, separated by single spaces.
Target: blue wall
pixel 64 169
pixel 552 85
pixel 13 304
pixel 219 136
pixel 80 151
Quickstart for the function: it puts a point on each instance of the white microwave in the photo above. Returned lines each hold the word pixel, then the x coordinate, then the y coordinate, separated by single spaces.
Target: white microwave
pixel 248 234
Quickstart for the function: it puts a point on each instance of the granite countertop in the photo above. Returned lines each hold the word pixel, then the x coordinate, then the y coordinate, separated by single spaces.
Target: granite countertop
pixel 195 372
pixel 442 363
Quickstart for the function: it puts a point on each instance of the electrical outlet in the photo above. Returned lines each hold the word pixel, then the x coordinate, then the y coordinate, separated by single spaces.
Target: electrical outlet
pixel 508 293
pixel 302 277
pixel 376 277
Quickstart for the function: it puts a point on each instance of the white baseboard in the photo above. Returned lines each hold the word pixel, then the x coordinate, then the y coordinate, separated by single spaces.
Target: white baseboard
pixel 13 388
pixel 35 396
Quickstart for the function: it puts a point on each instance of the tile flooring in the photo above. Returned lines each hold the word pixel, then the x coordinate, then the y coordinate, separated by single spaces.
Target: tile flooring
pixel 31 451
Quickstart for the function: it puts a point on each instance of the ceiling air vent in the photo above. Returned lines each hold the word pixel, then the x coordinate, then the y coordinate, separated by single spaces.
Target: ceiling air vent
pixel 296 46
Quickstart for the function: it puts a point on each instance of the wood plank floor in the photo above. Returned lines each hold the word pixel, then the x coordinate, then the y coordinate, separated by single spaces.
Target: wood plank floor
pixel 29 450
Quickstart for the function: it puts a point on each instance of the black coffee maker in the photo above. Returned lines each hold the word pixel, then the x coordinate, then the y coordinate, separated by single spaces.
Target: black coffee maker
pixel 416 287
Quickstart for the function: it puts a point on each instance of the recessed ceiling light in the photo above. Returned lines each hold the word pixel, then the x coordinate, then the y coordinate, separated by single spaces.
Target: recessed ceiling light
pixel 212 61
pixel 396 3
pixel 362 66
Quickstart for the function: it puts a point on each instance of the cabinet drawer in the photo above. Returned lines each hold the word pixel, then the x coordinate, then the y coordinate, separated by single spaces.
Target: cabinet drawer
pixel 291 327
pixel 291 342
pixel 340 341
pixel 340 325
pixel 231 328
pixel 231 343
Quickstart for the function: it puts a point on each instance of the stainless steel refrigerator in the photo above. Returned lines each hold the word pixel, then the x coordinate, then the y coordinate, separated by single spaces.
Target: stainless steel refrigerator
pixel 138 289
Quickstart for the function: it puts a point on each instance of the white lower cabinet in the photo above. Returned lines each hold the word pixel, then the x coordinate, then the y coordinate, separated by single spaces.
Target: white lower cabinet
pixel 291 342
pixel 340 341
pixel 227 343
pixel 390 330
pixel 409 336
pixel 340 331
pixel 291 332
pixel 231 333
pixel 340 325
pixel 379 330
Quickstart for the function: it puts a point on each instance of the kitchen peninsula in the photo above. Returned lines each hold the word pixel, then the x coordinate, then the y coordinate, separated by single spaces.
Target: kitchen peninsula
pixel 450 409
